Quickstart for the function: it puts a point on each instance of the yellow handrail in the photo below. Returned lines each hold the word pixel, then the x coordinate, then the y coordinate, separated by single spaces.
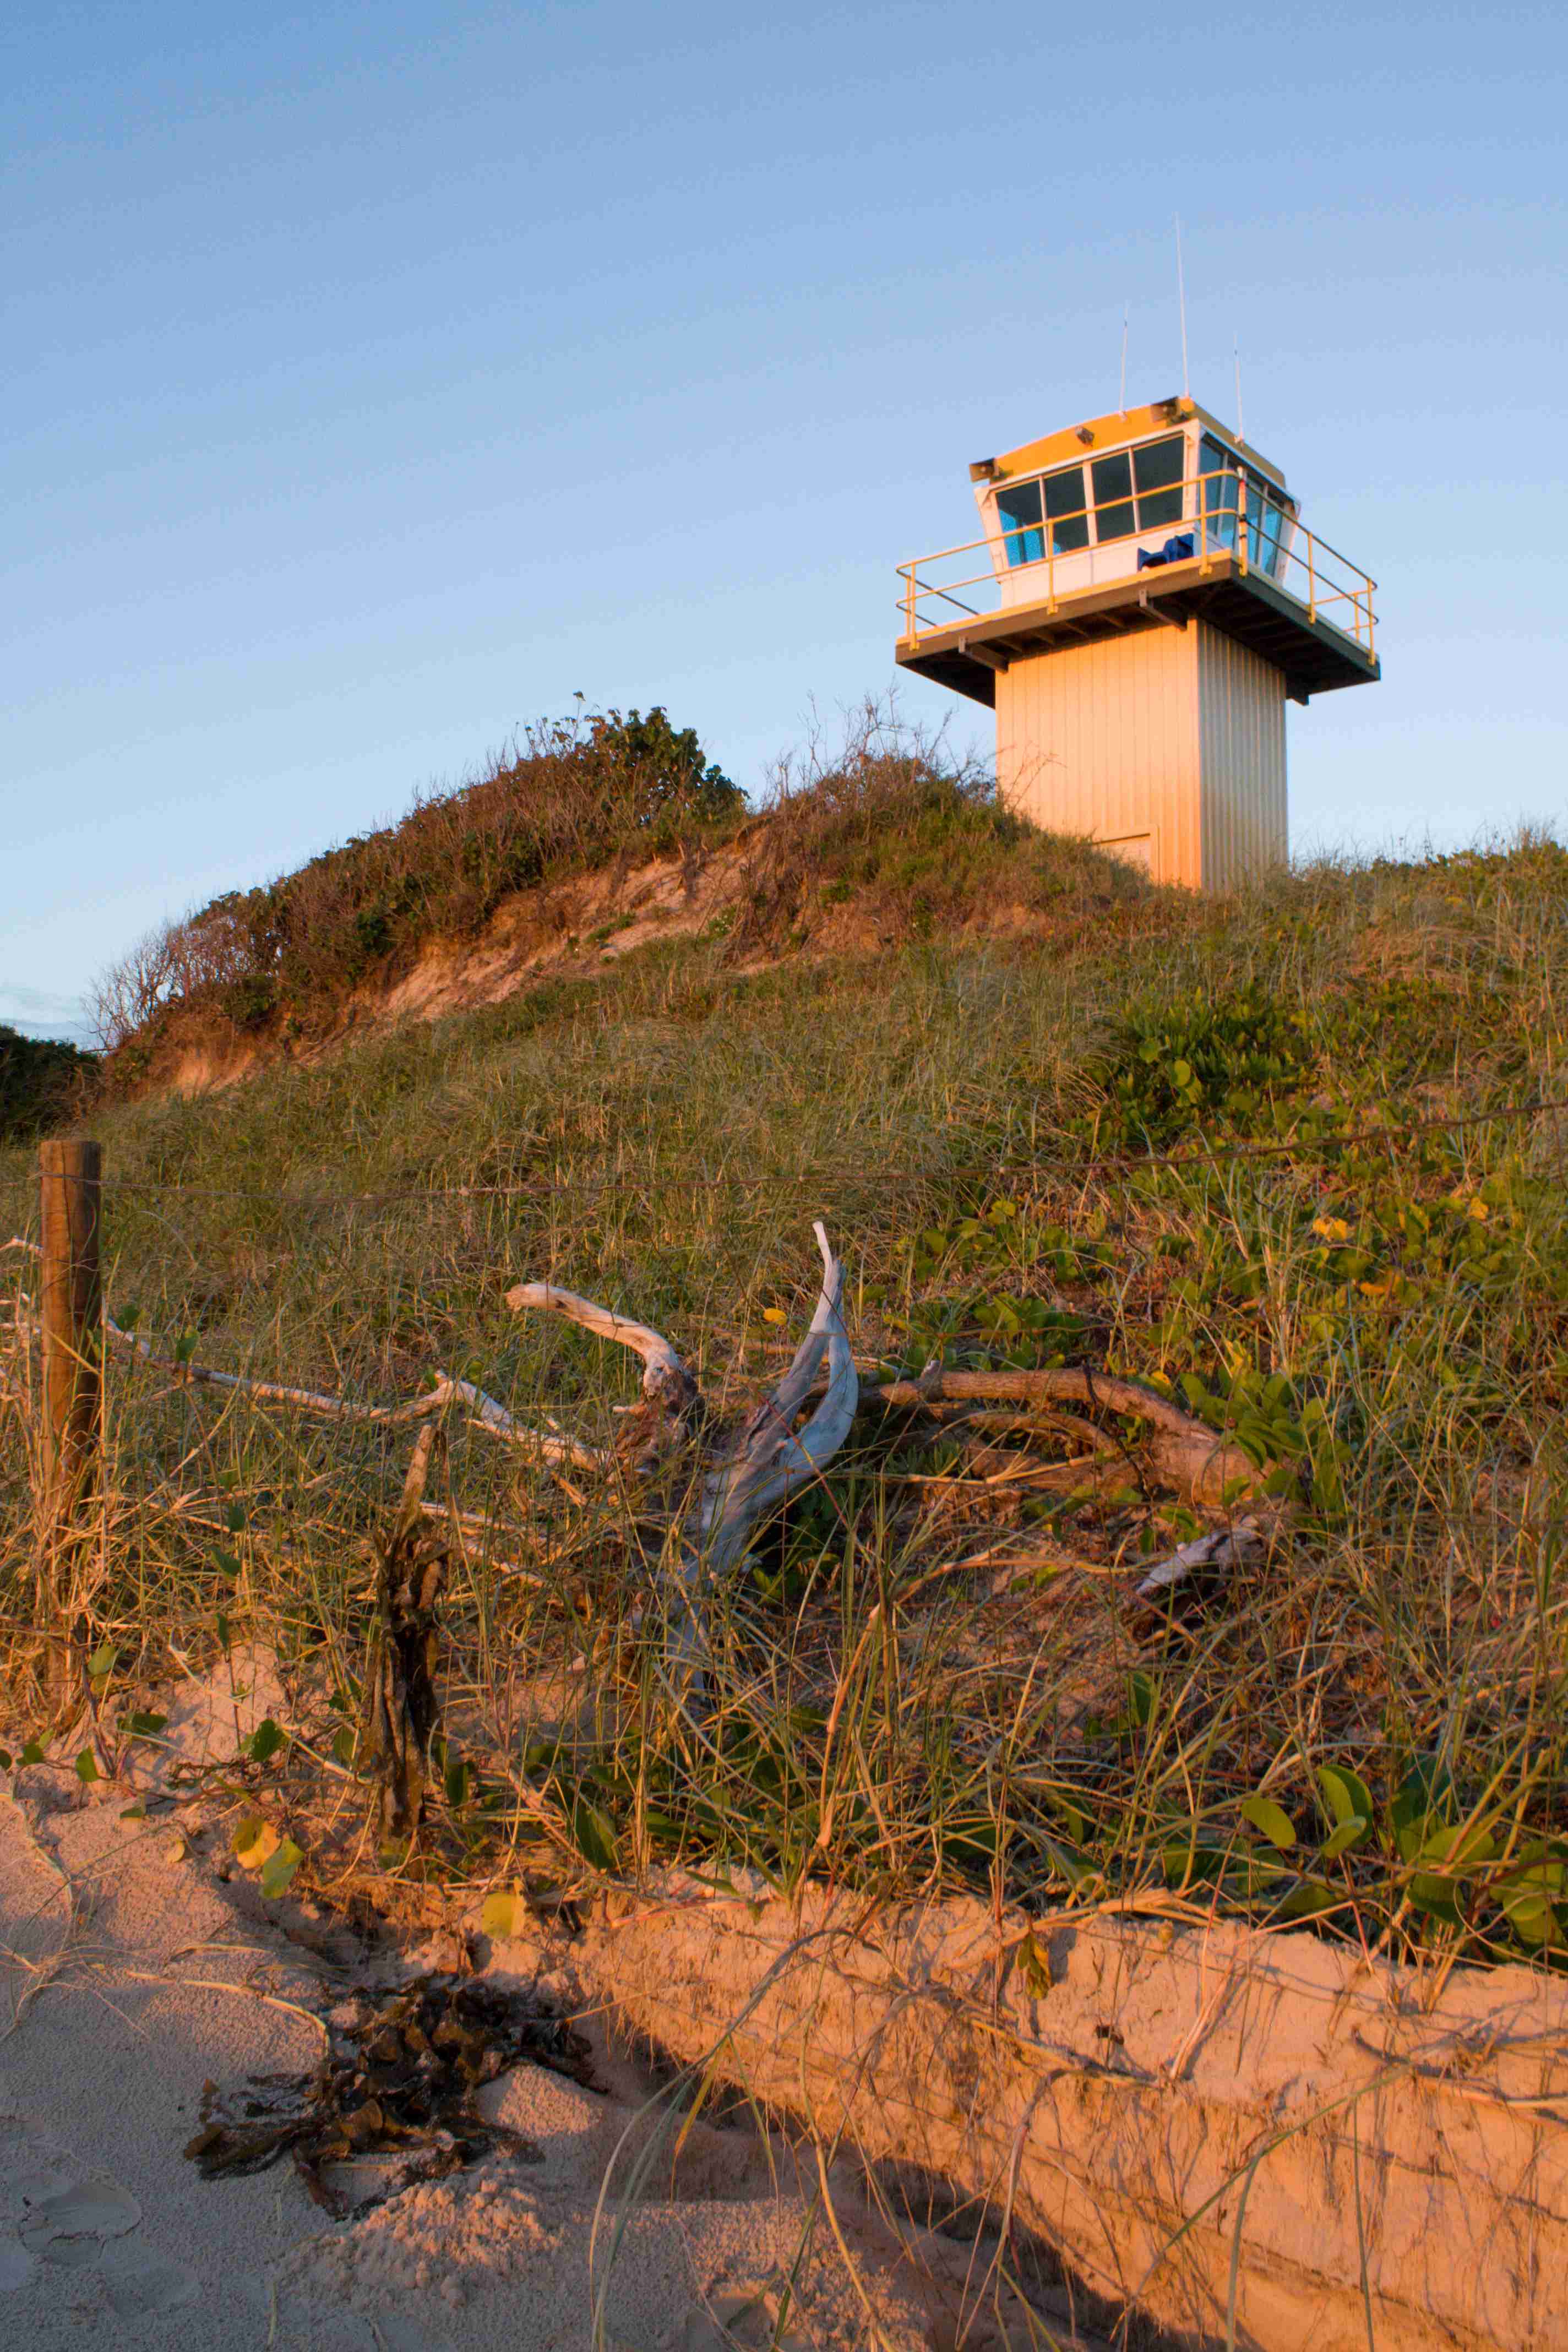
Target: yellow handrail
pixel 1221 523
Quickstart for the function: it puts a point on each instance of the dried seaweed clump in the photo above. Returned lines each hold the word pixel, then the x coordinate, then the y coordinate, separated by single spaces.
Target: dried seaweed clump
pixel 399 2081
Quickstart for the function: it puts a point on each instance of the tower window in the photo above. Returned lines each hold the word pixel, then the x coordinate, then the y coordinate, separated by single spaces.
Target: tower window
pixel 1113 517
pixel 1032 512
pixel 1065 504
pixel 1019 510
pixel 1223 472
pixel 1157 469
pixel 1127 491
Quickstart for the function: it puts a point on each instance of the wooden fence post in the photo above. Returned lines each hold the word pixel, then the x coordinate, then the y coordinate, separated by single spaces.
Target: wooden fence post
pixel 70 1178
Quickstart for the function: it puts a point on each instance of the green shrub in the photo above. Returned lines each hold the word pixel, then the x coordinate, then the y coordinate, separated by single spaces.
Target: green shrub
pixel 249 1003
pixel 1200 1057
pixel 41 1081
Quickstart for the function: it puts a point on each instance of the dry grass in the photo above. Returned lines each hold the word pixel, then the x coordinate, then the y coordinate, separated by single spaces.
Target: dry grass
pixel 1319 1230
pixel 883 837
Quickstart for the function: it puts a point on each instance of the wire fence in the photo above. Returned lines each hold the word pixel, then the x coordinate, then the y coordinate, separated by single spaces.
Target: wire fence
pixel 1379 1132
pixel 1390 1126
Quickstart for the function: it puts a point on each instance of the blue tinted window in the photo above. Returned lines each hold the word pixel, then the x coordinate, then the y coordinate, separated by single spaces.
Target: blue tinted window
pixel 1225 473
pixel 1265 521
pixel 1019 509
pixel 1218 467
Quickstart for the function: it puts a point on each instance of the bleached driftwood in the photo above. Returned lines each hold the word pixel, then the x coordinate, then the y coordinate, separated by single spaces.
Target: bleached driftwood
pixel 725 1498
pixel 768 1460
pixel 765 1462
pixel 1213 1555
pixel 671 1400
pixel 483 1411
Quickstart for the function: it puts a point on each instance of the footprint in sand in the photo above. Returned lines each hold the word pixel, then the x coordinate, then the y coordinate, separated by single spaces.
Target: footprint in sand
pixel 53 2212
pixel 742 2316
pixel 140 2282
pixel 69 2225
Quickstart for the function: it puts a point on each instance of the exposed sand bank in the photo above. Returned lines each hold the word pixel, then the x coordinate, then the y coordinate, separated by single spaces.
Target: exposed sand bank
pixel 1108 2092
pixel 130 1977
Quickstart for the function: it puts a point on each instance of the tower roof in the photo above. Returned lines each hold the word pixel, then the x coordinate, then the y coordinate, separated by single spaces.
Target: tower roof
pixel 1113 431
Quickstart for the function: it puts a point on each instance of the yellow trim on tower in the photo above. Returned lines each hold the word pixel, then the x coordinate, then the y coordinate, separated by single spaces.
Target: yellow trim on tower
pixel 1098 433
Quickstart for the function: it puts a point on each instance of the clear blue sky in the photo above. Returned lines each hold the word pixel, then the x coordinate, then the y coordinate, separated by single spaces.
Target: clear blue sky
pixel 378 377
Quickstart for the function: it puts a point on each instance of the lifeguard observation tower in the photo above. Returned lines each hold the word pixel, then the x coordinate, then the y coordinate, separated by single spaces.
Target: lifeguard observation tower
pixel 1144 599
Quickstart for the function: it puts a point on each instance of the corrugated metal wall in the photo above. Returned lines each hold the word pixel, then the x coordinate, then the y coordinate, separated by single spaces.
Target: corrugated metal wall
pixel 1167 745
pixel 1103 740
pixel 1241 702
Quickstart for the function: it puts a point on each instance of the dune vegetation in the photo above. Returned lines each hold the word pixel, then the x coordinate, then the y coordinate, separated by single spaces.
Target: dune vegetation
pixel 43 1080
pixel 1294 1160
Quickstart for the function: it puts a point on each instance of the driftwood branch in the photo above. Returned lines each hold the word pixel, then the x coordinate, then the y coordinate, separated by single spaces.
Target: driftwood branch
pixel 727 1489
pixel 671 1402
pixel 663 1370
pixel 769 1460
pixel 483 1412
pixel 1208 1558
pixel 1181 1450
pixel 765 1462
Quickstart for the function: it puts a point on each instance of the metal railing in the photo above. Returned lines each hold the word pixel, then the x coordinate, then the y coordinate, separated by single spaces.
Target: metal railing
pixel 1225 517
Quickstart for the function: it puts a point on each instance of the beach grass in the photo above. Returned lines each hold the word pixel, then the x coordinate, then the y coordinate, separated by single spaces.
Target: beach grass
pixel 1296 1156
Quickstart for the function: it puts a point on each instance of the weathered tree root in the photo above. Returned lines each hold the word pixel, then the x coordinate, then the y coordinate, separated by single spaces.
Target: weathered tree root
pixel 720 1498
pixel 671 1407
pixel 1182 1453
pixel 766 1461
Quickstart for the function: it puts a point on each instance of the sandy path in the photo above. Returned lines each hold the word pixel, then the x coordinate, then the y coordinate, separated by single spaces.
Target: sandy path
pixel 108 2235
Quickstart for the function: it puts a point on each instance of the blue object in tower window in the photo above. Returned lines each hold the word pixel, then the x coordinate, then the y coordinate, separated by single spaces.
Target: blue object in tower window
pixel 1177 549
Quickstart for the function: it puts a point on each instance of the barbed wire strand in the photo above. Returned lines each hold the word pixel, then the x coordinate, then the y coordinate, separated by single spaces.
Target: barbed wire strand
pixel 550 1181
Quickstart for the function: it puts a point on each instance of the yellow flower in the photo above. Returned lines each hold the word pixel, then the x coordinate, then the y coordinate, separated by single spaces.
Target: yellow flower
pixel 1332 1229
pixel 1475 1206
pixel 772 1315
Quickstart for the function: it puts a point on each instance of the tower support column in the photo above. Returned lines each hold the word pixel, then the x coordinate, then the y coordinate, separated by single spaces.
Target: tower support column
pixel 1166 745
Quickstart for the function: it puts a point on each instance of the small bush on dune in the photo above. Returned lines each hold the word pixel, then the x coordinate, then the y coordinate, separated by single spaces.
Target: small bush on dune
pixel 41 1080
pixel 894 818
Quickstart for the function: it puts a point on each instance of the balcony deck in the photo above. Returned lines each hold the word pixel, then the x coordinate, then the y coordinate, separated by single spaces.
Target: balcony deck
pixel 1218 587
pixel 1255 574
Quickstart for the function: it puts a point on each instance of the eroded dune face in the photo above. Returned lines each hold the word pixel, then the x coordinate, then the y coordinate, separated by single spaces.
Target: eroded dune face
pixel 1163 2072
pixel 1213 2125
pixel 154 1966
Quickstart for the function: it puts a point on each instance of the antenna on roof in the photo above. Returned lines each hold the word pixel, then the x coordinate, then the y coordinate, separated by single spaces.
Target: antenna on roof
pixel 1240 428
pixel 1181 305
pixel 1126 311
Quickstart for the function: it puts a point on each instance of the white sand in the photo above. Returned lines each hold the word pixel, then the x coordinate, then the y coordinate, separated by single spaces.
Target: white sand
pixel 110 1954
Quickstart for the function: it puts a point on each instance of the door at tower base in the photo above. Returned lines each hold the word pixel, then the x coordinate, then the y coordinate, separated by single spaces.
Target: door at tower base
pixel 1166 746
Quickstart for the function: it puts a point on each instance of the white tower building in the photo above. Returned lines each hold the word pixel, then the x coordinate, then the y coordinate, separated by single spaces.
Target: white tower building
pixel 1144 600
